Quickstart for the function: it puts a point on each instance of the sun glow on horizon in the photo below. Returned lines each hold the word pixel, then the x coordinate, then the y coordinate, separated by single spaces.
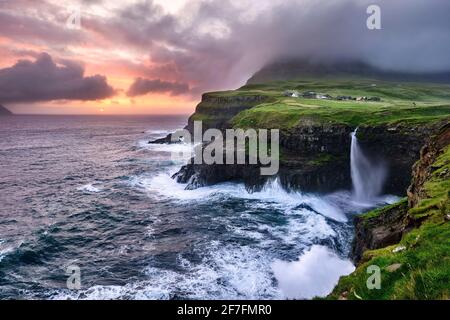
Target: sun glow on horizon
pixel 145 105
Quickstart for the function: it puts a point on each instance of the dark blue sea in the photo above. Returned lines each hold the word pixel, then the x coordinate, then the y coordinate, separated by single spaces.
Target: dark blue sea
pixel 89 191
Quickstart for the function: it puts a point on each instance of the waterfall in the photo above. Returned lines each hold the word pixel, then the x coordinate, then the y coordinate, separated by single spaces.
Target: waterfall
pixel 367 178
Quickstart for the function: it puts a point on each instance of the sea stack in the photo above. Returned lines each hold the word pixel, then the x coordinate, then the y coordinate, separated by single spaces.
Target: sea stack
pixel 4 111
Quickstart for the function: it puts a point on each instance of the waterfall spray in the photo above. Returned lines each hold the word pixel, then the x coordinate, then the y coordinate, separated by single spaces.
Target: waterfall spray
pixel 367 178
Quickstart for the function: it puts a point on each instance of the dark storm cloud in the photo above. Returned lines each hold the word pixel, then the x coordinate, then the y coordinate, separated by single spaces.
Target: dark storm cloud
pixel 44 80
pixel 219 47
pixel 143 86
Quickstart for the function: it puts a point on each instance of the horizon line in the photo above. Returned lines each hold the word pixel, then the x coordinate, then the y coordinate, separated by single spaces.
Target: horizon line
pixel 99 114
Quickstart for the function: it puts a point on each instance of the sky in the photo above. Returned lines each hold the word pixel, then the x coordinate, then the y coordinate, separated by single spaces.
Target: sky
pixel 158 57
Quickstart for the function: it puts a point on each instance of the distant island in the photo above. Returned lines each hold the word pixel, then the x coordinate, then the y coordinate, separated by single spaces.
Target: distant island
pixel 4 111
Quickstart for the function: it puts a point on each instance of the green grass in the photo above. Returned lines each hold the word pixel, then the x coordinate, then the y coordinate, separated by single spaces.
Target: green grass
pixel 377 212
pixel 424 271
pixel 200 117
pixel 408 103
pixel 288 113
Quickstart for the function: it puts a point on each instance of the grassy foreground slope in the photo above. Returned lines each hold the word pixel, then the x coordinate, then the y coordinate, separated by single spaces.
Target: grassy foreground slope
pixel 400 102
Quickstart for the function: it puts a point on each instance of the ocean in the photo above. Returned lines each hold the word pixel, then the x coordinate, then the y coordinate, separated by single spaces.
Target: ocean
pixel 90 192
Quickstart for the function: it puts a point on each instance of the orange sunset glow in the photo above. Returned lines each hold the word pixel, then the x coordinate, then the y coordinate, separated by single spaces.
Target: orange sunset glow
pixel 97 41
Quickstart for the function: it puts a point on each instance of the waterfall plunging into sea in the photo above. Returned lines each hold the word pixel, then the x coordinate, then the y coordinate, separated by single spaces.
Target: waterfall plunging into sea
pixel 367 178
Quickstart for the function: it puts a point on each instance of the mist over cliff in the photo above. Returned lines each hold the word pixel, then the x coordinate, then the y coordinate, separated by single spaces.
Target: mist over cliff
pixel 290 69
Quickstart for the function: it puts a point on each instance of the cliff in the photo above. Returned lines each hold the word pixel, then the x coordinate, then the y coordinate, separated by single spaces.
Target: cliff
pixel 4 111
pixel 406 126
pixel 410 240
pixel 315 133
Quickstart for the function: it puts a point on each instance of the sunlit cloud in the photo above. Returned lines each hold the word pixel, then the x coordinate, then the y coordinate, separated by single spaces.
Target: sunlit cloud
pixel 206 45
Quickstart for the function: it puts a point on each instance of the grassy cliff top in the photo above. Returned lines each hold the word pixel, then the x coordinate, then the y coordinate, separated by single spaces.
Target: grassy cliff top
pixel 412 103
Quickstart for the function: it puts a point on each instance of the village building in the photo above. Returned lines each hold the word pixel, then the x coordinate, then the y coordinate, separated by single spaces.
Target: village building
pixel 291 93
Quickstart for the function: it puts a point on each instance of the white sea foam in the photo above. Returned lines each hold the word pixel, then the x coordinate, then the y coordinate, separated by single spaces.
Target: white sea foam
pixel 135 290
pixel 7 249
pixel 178 153
pixel 89 188
pixel 161 133
pixel 231 273
pixel 3 251
pixel 166 147
pixel 315 273
pixel 300 230
pixel 313 227
pixel 272 195
pixel 225 273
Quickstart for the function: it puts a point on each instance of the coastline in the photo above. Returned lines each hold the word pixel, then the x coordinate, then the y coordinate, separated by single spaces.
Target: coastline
pixel 312 150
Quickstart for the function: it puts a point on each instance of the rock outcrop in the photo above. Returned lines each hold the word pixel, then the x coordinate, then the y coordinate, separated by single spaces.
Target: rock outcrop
pixel 4 111
pixel 216 110
pixel 384 228
pixel 424 168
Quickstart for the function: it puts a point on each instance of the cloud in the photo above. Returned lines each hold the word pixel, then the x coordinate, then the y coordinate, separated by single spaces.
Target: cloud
pixel 219 44
pixel 143 86
pixel 37 23
pixel 44 80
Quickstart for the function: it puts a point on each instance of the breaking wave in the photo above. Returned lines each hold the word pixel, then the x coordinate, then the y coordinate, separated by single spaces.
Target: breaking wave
pixel 89 188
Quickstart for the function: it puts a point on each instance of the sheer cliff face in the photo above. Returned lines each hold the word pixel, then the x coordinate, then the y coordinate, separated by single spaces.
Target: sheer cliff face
pixel 216 111
pixel 314 155
pixel 4 111
pixel 424 168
